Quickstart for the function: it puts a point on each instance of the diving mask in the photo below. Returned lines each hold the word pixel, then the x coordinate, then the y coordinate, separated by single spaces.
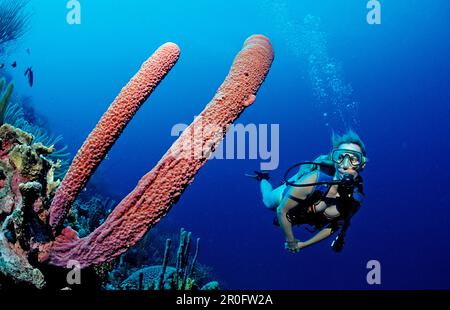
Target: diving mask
pixel 355 158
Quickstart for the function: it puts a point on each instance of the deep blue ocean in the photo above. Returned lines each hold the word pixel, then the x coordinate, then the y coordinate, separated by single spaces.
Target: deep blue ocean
pixel 390 83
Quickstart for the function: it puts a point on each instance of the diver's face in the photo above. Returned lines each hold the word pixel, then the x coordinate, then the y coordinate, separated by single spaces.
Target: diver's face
pixel 346 166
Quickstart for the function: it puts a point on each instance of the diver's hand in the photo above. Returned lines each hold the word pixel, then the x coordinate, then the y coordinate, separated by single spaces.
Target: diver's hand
pixel 293 246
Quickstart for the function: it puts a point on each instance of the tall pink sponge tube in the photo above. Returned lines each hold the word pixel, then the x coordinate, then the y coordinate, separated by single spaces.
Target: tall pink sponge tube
pixel 159 189
pixel 109 128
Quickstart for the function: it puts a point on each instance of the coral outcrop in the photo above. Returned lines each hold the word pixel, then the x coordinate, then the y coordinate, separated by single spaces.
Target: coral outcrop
pixel 32 236
pixel 26 187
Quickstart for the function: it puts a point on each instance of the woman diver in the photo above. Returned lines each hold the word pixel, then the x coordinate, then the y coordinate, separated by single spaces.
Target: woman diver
pixel 325 193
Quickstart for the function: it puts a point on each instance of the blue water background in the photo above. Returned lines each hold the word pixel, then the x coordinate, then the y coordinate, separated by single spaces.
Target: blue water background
pixel 399 72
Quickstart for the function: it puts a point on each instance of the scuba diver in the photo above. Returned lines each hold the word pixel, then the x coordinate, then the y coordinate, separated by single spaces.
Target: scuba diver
pixel 325 193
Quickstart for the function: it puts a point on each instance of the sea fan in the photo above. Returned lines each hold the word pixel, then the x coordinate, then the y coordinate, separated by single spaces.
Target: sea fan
pixel 13 20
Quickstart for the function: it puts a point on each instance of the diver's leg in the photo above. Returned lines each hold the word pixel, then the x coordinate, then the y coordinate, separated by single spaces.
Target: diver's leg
pixel 271 197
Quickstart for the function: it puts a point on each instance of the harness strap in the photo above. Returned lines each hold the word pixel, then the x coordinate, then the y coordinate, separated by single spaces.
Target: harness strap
pixel 296 199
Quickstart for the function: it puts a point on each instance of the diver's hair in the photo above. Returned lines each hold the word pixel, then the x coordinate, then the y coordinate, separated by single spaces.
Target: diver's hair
pixel 349 137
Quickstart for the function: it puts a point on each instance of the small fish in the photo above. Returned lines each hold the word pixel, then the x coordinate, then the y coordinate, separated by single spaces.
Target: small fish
pixel 28 51
pixel 29 74
pixel 1 66
pixel 14 64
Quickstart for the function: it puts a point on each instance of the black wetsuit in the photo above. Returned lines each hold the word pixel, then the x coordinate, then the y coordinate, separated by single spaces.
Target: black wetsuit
pixel 347 207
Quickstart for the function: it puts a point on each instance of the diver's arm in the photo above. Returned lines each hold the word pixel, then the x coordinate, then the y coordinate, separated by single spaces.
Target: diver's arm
pixel 326 232
pixel 323 234
pixel 287 204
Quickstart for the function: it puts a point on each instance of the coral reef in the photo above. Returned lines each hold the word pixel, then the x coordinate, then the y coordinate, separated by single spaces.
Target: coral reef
pixel 154 249
pixel 15 116
pixel 159 189
pixel 210 286
pixel 164 277
pixel 26 187
pixel 86 216
pixel 148 277
pixel 31 233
